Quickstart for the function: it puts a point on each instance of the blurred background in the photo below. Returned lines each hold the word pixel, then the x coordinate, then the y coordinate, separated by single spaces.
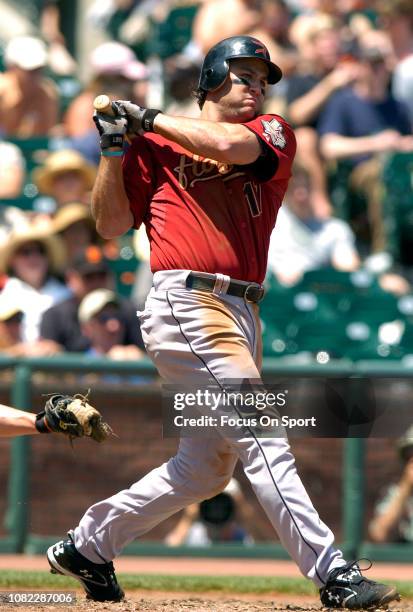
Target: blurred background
pixel 340 271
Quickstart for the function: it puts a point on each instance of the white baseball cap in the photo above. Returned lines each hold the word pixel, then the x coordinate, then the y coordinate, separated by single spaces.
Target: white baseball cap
pixel 94 302
pixel 116 58
pixel 26 52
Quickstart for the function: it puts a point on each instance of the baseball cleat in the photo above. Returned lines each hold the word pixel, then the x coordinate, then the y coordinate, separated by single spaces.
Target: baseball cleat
pixel 98 579
pixel 347 588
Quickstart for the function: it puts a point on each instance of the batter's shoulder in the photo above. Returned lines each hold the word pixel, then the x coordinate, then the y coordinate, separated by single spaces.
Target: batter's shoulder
pixel 273 116
pixel 274 130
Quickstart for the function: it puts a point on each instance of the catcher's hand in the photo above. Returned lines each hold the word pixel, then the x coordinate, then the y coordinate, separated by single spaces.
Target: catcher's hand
pixel 73 417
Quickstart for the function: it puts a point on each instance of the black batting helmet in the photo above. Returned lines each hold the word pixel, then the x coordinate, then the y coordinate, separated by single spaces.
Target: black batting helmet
pixel 215 68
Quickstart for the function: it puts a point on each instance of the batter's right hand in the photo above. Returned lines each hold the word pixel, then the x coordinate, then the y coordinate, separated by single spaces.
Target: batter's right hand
pixel 112 128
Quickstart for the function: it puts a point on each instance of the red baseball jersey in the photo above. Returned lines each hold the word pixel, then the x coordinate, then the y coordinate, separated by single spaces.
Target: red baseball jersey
pixel 205 215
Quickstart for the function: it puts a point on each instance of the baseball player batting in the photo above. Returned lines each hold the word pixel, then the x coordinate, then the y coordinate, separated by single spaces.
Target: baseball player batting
pixel 208 191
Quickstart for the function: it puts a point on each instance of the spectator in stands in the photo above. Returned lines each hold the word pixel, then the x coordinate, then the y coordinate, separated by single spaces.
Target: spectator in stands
pixel 361 121
pixel 11 333
pixel 223 518
pixel 393 521
pixel 322 72
pixel 74 224
pixel 52 17
pixel 28 101
pixel 273 31
pixel 127 21
pixel 397 17
pixel 181 76
pixel 10 324
pixel 117 73
pixel 11 217
pixel 301 242
pixel 102 322
pixel 219 19
pixel 12 170
pixel 31 258
pixel 89 271
pixel 65 176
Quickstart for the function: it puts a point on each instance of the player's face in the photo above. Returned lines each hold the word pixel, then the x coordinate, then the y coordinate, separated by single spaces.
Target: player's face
pixel 243 92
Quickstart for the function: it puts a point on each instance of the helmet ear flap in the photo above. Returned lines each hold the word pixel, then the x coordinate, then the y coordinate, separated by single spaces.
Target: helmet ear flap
pixel 214 76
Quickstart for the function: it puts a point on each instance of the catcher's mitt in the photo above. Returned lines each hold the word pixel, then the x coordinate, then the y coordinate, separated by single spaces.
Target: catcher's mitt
pixel 73 417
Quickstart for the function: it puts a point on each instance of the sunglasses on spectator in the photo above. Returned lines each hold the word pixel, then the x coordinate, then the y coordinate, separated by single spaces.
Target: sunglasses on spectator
pixel 376 62
pixel 104 317
pixel 16 318
pixel 31 250
pixel 95 275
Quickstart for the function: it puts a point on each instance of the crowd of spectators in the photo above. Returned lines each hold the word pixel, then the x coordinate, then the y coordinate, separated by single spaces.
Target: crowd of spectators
pixel 347 90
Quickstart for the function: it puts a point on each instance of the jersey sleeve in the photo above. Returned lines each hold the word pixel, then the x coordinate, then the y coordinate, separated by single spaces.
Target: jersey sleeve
pixel 138 177
pixel 279 146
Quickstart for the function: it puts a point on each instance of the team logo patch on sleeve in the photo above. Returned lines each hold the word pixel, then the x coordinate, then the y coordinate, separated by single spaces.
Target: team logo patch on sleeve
pixel 273 131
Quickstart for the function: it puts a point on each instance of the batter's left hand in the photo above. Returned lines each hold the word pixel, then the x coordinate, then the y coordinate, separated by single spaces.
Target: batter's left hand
pixel 134 115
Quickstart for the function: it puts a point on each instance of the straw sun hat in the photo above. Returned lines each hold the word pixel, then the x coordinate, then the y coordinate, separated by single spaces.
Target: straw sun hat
pixel 69 214
pixel 53 245
pixel 66 160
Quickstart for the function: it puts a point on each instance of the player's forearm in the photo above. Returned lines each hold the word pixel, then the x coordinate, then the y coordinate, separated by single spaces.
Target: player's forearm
pixel 16 422
pixel 110 204
pixel 225 142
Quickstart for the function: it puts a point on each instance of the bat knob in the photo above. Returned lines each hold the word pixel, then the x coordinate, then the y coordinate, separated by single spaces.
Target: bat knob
pixel 102 104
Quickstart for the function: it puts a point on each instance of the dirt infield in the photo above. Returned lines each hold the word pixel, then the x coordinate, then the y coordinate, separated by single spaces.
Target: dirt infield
pixel 156 601
pixel 186 602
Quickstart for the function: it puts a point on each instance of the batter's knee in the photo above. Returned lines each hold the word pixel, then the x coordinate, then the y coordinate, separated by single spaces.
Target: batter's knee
pixel 208 477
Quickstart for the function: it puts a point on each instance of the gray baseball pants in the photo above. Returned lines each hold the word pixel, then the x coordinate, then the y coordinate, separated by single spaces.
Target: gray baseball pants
pixel 193 337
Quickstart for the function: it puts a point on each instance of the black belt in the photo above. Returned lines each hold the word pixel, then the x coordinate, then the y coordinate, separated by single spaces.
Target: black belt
pixel 251 292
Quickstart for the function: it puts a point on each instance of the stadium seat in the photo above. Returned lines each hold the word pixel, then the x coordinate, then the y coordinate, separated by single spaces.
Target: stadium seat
pixel 405 308
pixel 398 206
pixel 362 342
pixel 171 36
pixel 374 308
pixel 406 341
pixel 34 151
pixel 316 337
pixel 338 289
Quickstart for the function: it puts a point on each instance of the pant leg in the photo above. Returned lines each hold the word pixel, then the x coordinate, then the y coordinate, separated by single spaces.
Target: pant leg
pixel 201 469
pixel 194 338
pixel 224 342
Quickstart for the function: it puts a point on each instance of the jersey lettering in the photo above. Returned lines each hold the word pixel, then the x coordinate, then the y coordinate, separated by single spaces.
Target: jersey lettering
pixel 190 171
pixel 252 194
